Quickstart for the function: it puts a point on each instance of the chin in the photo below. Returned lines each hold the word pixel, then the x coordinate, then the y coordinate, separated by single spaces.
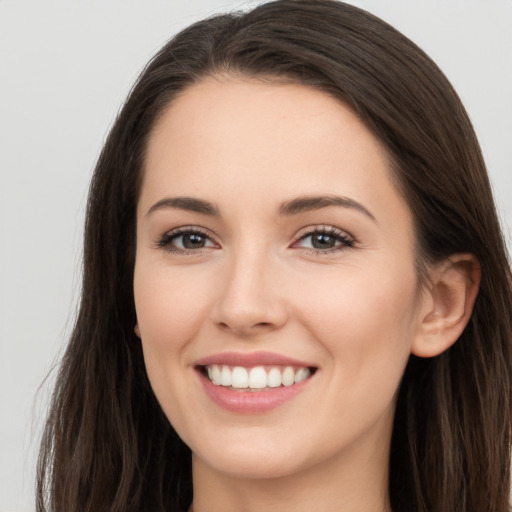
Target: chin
pixel 254 465
pixel 257 453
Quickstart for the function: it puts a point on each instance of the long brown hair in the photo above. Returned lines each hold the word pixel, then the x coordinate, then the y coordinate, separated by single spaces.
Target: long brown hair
pixel 107 444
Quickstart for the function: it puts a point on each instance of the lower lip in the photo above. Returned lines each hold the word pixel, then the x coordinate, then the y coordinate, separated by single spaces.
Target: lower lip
pixel 251 402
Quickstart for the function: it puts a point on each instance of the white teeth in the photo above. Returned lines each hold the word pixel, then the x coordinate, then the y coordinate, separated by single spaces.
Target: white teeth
pixel 256 377
pixel 216 375
pixel 288 377
pixel 240 377
pixel 274 378
pixel 302 373
pixel 225 377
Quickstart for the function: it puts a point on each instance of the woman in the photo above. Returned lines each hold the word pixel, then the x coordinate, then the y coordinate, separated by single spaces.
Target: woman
pixel 295 288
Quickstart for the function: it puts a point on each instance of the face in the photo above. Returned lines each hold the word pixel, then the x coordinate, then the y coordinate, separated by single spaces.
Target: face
pixel 275 285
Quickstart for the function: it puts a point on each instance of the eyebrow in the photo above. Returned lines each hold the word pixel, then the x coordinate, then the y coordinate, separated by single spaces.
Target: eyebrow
pixel 309 203
pixel 293 207
pixel 190 204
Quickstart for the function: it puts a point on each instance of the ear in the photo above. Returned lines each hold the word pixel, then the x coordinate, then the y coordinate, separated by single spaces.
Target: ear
pixel 136 330
pixel 448 303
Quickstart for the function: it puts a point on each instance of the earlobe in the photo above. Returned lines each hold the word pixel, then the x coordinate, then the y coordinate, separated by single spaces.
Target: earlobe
pixel 136 330
pixel 449 304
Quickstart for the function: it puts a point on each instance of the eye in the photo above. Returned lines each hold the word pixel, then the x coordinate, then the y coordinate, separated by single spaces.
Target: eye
pixel 185 240
pixel 324 240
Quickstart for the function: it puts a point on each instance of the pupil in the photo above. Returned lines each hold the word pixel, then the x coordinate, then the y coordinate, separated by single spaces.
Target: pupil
pixel 193 241
pixel 323 241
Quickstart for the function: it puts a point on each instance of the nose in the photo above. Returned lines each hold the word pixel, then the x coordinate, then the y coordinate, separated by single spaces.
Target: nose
pixel 250 300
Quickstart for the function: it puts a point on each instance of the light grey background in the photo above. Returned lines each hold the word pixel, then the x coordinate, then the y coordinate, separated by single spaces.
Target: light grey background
pixel 65 68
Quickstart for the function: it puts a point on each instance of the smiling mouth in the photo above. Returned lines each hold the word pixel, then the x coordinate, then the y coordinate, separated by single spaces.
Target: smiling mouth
pixel 256 378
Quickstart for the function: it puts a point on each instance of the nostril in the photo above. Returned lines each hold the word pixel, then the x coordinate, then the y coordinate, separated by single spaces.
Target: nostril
pixel 245 328
pixel 263 324
pixel 224 326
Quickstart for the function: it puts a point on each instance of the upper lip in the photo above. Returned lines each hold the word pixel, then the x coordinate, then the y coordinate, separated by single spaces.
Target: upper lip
pixel 251 359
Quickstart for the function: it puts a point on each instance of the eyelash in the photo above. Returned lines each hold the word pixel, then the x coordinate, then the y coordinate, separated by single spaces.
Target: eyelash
pixel 167 239
pixel 341 238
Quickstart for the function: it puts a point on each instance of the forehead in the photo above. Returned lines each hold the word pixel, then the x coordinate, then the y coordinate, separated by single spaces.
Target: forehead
pixel 231 110
pixel 227 138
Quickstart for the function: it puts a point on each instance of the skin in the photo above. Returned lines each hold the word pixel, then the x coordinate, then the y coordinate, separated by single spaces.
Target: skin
pixel 355 312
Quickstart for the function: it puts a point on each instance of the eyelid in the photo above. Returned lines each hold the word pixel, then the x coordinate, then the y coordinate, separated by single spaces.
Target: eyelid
pixel 324 228
pixel 164 241
pixel 346 239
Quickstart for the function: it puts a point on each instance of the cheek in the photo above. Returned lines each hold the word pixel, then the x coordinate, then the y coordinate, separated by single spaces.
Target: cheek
pixel 170 306
pixel 365 321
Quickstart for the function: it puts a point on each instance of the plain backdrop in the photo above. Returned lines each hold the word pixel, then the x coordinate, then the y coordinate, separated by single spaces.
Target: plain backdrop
pixel 65 68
